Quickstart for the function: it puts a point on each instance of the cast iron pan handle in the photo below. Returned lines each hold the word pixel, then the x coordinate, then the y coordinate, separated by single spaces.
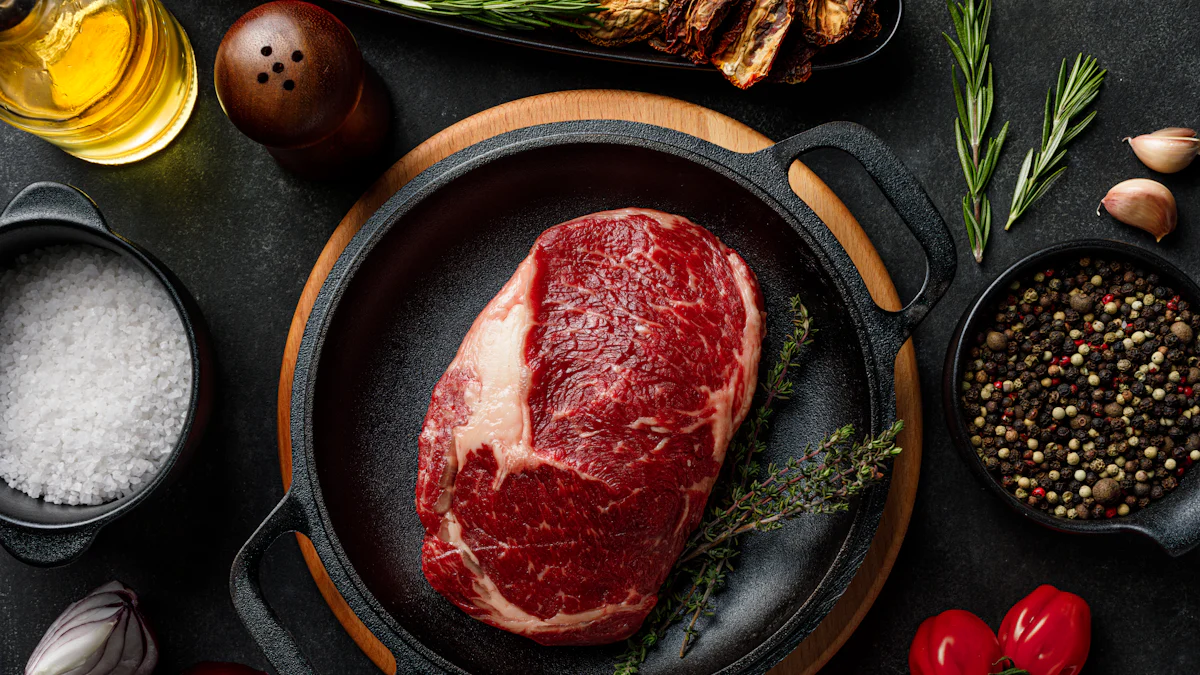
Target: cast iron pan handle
pixel 911 203
pixel 47 548
pixel 53 201
pixel 262 622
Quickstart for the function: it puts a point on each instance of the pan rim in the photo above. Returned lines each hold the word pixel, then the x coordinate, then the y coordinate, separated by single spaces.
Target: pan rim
pixel 744 170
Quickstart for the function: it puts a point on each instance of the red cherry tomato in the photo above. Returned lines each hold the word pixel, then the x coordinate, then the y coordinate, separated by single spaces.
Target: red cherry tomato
pixel 214 668
pixel 1048 633
pixel 955 642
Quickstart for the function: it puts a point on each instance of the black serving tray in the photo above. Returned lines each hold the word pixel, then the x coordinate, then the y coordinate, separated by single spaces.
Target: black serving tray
pixel 559 41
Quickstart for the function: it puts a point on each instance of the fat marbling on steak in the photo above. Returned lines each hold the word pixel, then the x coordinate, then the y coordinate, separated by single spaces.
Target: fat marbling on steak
pixel 571 445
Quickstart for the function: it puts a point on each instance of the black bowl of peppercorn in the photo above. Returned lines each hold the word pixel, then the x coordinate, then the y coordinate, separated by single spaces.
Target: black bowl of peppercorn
pixel 1068 386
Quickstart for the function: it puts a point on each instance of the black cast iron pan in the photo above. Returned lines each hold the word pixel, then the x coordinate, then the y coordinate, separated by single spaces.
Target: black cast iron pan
pixel 1174 521
pixel 396 305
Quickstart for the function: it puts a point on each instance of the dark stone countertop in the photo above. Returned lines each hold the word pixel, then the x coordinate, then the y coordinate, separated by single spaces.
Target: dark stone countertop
pixel 243 235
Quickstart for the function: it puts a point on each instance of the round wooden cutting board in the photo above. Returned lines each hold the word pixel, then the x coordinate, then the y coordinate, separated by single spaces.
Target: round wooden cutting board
pixel 815 651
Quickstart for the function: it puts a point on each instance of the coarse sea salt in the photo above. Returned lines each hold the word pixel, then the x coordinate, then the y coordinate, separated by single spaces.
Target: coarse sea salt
pixel 95 375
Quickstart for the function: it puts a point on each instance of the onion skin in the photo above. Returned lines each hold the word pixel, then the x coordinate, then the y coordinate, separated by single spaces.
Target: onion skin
pixel 1143 203
pixel 1167 150
pixel 101 634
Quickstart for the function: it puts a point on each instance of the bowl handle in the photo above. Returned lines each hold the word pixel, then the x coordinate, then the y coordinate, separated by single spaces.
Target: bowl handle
pixel 263 623
pixel 53 201
pixel 905 194
pixel 47 548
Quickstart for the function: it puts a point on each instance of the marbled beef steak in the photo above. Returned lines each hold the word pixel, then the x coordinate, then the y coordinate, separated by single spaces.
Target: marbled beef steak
pixel 571 445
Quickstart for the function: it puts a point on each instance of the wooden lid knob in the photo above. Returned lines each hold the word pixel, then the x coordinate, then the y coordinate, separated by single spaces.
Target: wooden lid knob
pixel 288 74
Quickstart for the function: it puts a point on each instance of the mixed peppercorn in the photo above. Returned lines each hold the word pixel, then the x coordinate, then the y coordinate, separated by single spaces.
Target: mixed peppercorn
pixel 1079 396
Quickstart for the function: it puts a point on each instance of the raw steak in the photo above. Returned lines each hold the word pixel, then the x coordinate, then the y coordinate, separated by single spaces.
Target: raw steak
pixel 570 447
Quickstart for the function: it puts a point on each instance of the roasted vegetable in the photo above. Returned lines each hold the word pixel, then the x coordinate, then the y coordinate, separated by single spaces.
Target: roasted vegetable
pixel 794 63
pixel 868 26
pixel 704 19
pixel 673 38
pixel 747 55
pixel 621 22
pixel 828 22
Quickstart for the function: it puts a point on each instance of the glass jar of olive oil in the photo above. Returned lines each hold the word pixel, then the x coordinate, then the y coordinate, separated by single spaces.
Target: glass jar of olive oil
pixel 109 81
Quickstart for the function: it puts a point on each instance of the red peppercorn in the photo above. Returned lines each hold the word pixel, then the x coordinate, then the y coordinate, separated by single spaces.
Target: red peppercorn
pixel 1039 492
pixel 1078 342
pixel 1055 381
pixel 1064 361
pixel 1188 391
pixel 1074 389
pixel 1110 513
pixel 1049 273
pixel 1104 347
pixel 1179 471
pixel 1108 298
pixel 1172 305
pixel 998 384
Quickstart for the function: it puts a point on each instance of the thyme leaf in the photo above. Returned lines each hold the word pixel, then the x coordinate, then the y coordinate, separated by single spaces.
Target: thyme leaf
pixel 750 498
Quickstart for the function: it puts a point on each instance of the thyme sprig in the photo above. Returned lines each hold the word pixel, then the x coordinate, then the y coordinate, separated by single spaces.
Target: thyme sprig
pixel 1064 103
pixel 508 14
pixel 974 101
pixel 821 480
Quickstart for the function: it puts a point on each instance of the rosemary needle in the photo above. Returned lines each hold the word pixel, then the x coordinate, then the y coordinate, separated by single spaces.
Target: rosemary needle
pixel 974 101
pixel 1064 102
pixel 508 14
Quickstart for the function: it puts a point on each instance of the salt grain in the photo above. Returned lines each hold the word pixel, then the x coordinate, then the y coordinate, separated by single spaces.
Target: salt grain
pixel 95 375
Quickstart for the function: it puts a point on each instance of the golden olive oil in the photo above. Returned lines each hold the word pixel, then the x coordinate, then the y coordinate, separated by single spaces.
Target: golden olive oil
pixel 109 81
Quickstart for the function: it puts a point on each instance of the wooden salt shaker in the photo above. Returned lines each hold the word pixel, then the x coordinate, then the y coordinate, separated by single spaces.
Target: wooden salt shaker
pixel 290 76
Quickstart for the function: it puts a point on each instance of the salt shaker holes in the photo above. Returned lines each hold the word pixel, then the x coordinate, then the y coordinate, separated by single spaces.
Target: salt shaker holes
pixel 289 85
pixel 263 77
pixel 266 51
pixel 278 67
pixel 297 56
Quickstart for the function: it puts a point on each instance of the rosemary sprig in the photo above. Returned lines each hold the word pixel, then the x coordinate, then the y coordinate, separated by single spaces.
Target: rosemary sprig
pixel 821 480
pixel 1064 103
pixel 508 14
pixel 974 100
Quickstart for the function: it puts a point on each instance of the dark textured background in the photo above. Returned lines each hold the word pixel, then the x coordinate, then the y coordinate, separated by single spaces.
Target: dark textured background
pixel 243 235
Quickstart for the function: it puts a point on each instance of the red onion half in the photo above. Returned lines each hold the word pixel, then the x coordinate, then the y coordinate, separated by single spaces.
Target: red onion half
pixel 102 634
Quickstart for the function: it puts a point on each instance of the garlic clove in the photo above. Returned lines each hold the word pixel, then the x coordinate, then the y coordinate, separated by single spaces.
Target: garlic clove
pixel 1166 150
pixel 1143 203
pixel 1181 132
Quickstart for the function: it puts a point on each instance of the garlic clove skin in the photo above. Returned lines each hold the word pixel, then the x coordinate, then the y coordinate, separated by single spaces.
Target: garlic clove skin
pixel 1167 150
pixel 1182 132
pixel 1143 203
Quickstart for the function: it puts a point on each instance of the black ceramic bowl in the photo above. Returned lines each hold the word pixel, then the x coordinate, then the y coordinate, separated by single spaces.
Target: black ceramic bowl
pixel 1173 521
pixel 48 214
